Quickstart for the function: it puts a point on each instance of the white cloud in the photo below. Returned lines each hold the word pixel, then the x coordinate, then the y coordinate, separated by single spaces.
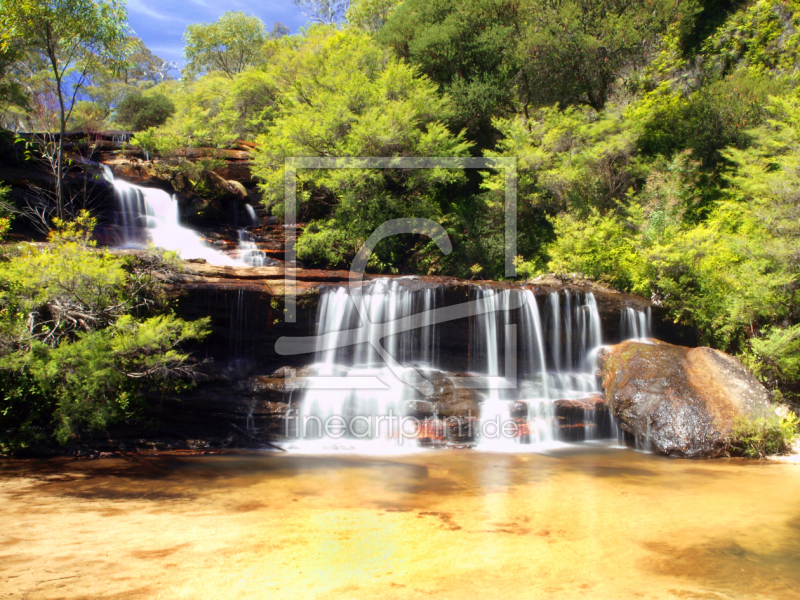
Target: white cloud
pixel 137 6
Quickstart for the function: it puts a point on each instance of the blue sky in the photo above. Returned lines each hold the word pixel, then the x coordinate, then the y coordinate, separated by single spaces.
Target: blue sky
pixel 161 24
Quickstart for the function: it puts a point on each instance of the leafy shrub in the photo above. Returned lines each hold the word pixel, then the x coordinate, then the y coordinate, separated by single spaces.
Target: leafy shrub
pixel 775 356
pixel 763 436
pixel 139 112
pixel 85 338
pixel 717 116
pixel 602 247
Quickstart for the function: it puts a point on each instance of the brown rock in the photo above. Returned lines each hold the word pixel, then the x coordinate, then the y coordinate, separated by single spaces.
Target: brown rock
pixel 675 400
pixel 592 402
pixel 195 153
pixel 452 400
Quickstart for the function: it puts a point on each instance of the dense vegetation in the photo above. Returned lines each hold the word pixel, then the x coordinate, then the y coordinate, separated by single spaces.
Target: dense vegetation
pixel 85 338
pixel 657 141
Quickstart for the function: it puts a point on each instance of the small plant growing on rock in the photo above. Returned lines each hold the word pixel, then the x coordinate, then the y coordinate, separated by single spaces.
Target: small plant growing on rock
pixel 763 436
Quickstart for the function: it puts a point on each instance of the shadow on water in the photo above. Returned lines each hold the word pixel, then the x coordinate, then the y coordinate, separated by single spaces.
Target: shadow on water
pixel 170 478
pixel 725 564
pixel 173 478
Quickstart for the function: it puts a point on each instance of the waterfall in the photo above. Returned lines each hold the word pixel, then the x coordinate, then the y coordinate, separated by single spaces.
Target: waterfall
pixel 372 412
pixel 635 324
pixel 553 361
pixel 252 214
pixel 151 215
pixel 249 253
pixel 564 377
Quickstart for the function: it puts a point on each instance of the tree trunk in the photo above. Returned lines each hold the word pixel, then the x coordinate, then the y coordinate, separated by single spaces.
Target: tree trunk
pixel 59 186
pixel 51 51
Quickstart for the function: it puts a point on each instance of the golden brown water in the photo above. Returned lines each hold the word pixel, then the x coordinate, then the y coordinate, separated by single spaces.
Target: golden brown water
pixel 585 522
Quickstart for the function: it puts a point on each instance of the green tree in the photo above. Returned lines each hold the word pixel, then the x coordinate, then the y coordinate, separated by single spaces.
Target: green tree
pixel 140 71
pixel 214 110
pixel 718 115
pixel 469 49
pixel 230 44
pixel 74 37
pixel 85 337
pixel 341 94
pixel 572 51
pixel 140 112
pixel 370 15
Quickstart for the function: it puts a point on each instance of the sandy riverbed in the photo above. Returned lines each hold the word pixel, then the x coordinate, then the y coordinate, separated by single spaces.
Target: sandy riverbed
pixel 583 522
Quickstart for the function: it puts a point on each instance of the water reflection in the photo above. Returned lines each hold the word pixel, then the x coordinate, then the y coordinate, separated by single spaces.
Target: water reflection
pixel 581 521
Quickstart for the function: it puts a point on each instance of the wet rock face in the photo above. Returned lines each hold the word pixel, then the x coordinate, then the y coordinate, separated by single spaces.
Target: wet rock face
pixel 675 400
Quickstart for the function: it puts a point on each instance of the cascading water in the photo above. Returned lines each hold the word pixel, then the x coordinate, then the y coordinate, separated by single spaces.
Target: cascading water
pixel 251 212
pixel 553 361
pixel 635 324
pixel 150 214
pixel 550 371
pixel 249 253
pixel 321 415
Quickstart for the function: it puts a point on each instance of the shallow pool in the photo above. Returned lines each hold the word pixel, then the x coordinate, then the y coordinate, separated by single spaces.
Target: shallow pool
pixel 582 521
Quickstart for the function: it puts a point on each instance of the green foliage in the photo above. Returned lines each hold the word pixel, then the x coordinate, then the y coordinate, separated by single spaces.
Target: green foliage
pixel 764 37
pixel 215 110
pixel 230 44
pixel 775 357
pixel 73 38
pixel 715 117
pixel 601 247
pixel 708 17
pixel 496 57
pixel 763 436
pixel 139 112
pixel 12 92
pixel 576 159
pixel 469 49
pixel 736 272
pixel 528 269
pixel 111 84
pixel 370 15
pixel 379 108
pixel 85 338
pixel 572 51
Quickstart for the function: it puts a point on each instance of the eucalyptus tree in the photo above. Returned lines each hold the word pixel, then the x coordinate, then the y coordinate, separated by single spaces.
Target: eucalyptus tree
pixel 324 12
pixel 573 51
pixel 74 38
pixel 370 15
pixel 230 44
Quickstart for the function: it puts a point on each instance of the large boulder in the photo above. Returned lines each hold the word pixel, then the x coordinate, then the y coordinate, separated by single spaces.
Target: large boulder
pixel 675 400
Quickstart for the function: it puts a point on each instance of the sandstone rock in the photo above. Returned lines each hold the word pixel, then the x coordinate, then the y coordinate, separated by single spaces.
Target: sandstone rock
pixel 592 402
pixel 237 187
pixel 675 400
pixel 452 400
pixel 518 410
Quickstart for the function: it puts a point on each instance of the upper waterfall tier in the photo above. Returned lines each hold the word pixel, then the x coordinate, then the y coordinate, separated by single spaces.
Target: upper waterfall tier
pixel 151 215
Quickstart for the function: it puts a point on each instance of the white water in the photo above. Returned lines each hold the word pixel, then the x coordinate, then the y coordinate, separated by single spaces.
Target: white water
pixel 249 253
pixel 553 359
pixel 370 388
pixel 252 214
pixel 151 215
pixel 635 324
